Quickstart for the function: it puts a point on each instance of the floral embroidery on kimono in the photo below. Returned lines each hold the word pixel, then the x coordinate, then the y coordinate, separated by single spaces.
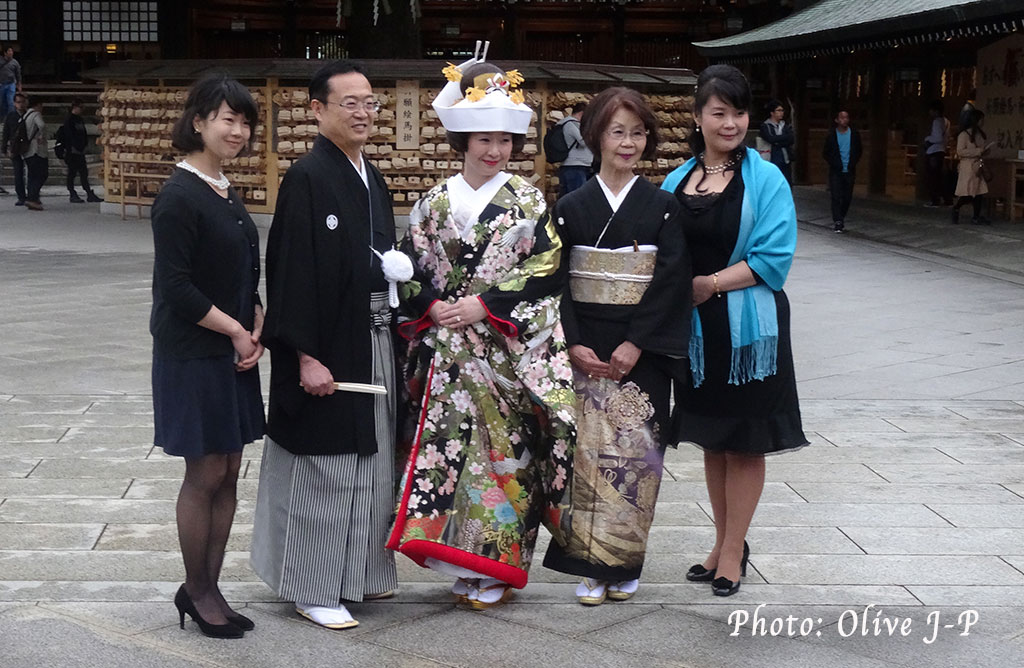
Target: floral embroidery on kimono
pixel 492 439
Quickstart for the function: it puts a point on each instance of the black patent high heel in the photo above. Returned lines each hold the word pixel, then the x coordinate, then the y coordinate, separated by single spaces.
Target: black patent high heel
pixel 698 573
pixel 183 602
pixel 725 586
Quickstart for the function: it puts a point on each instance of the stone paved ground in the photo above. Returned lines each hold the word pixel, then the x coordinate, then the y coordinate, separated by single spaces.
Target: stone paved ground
pixel 910 356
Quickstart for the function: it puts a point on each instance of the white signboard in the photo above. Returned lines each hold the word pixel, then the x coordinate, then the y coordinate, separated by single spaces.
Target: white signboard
pixel 407 116
pixel 1001 94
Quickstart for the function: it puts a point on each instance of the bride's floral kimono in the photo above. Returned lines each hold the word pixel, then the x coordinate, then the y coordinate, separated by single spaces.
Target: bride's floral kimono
pixel 492 433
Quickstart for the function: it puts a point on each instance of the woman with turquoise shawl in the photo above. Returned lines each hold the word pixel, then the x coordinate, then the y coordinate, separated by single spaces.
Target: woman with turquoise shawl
pixel 741 401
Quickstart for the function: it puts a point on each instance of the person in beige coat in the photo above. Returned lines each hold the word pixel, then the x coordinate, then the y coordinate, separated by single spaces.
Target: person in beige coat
pixel 971 146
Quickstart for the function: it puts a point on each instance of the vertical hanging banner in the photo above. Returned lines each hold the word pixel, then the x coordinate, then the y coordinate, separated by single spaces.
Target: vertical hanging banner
pixel 407 115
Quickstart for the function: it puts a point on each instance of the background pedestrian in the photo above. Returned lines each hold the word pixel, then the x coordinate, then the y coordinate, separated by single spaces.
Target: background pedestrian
pixel 779 136
pixel 971 185
pixel 935 151
pixel 74 139
pixel 36 154
pixel 11 122
pixel 842 151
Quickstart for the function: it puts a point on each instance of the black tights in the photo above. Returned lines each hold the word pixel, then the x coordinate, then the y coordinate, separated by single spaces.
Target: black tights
pixel 975 200
pixel 205 512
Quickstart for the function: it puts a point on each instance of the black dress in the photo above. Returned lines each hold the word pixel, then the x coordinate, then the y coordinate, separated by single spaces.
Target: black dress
pixel 758 417
pixel 207 251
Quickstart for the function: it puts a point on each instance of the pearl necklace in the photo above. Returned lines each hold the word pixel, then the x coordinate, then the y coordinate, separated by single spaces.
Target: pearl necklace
pixel 716 169
pixel 220 184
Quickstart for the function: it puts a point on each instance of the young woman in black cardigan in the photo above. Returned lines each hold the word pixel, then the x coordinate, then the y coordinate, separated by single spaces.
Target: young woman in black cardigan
pixel 206 323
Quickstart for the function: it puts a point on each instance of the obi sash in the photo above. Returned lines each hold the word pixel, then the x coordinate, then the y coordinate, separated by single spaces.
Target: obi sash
pixel 611 276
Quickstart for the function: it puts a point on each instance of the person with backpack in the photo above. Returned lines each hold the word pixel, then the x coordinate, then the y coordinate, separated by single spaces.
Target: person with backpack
pixel 30 143
pixel 70 147
pixel 564 144
pixel 11 123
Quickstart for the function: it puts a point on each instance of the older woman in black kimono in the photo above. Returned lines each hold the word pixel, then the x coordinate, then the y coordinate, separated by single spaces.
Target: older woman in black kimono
pixel 627 325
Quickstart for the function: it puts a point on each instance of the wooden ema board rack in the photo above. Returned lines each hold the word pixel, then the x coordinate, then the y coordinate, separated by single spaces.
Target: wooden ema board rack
pixel 135 133
pixel 407 144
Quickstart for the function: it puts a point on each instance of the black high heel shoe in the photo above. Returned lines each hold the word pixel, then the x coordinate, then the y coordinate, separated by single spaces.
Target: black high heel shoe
pixel 698 573
pixel 183 602
pixel 241 621
pixel 725 586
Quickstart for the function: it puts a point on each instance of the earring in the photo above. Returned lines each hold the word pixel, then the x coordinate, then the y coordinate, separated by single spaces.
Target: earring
pixel 195 129
pixel 697 129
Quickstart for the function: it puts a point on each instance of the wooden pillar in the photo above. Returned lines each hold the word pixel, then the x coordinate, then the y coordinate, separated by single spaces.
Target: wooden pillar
pixel 176 29
pixel 806 154
pixel 509 33
pixel 290 45
pixel 879 119
pixel 619 35
pixel 931 89
pixel 540 163
pixel 272 171
pixel 41 51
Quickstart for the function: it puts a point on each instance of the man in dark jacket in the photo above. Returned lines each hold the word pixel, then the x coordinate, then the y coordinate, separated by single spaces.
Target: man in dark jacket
pixel 17 164
pixel 842 152
pixel 779 135
pixel 325 497
pixel 74 139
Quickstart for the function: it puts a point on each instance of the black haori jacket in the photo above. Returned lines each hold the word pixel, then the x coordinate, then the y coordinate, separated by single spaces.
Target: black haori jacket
pixel 320 272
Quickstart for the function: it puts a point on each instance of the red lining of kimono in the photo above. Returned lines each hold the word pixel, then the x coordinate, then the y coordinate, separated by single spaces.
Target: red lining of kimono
pixel 396 533
pixel 420 550
pixel 417 326
pixel 504 326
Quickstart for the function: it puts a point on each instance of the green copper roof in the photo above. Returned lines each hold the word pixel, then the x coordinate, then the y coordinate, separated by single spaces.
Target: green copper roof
pixel 848 24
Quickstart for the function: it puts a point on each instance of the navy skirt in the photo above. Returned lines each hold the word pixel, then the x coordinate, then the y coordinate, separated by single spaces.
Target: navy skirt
pixel 204 407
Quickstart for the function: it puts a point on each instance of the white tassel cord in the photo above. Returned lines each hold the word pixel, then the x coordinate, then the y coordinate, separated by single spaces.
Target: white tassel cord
pixel 397 269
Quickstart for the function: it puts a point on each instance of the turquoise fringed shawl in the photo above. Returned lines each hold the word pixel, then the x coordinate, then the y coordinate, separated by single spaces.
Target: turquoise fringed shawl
pixel 767 241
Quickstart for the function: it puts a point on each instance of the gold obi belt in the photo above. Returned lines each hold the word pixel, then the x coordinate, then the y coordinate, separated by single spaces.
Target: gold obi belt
pixel 610 276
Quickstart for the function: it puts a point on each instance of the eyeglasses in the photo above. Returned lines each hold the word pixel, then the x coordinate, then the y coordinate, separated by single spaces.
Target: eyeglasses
pixel 352 106
pixel 620 134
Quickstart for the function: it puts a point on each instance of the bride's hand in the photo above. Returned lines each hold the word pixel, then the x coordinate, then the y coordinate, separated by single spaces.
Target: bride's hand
pixel 466 311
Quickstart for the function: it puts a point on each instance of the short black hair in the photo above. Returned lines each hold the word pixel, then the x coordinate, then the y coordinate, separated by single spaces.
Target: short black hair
pixel 320 84
pixel 772 105
pixel 21 95
pixel 75 103
pixel 937 106
pixel 205 98
pixel 459 141
pixel 578 107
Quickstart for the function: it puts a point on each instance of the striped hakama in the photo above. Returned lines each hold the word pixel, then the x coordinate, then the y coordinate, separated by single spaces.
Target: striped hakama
pixel 322 520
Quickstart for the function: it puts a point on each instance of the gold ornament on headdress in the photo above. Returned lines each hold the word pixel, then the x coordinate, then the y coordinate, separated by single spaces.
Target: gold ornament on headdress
pixel 452 73
pixel 487 82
